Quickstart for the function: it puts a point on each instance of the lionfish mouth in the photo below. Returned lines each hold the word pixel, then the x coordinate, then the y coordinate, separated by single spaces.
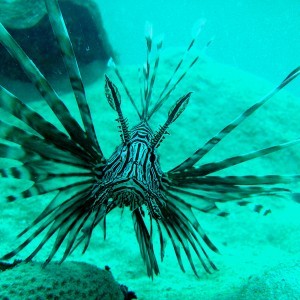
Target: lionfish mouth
pixel 129 195
pixel 132 176
pixel 132 194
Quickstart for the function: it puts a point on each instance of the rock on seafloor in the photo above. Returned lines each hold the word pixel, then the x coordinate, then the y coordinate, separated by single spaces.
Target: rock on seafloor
pixel 28 23
pixel 70 280
pixel 278 283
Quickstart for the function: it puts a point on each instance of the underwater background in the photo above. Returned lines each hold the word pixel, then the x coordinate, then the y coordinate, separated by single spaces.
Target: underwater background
pixel 255 45
pixel 261 37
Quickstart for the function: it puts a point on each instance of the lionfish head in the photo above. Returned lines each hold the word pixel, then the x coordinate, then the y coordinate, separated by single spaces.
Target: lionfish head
pixel 132 176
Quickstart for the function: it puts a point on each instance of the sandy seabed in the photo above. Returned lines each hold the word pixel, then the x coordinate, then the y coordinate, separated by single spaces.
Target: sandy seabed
pixel 250 243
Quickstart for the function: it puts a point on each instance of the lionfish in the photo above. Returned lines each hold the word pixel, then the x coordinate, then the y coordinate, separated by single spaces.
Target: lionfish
pixel 89 186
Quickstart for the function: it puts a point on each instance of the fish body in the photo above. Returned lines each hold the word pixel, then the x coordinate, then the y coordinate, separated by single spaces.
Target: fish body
pixel 133 175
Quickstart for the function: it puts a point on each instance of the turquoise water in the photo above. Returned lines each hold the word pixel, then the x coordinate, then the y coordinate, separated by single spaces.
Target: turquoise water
pixel 261 37
pixel 259 254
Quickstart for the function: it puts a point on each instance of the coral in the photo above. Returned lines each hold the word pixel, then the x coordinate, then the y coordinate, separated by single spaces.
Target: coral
pixel 71 280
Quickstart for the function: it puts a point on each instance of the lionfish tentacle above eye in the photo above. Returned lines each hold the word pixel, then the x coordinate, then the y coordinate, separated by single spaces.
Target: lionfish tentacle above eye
pixel 112 64
pixel 174 113
pixel 114 99
pixel 91 186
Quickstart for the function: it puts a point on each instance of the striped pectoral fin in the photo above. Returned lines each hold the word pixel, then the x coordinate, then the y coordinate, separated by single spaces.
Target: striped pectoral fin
pixel 37 171
pixel 22 172
pixel 97 214
pixel 162 239
pixel 50 185
pixel 231 188
pixel 62 36
pixel 97 211
pixel 218 192
pixel 198 199
pixel 204 193
pixel 44 88
pixel 70 225
pixel 73 236
pixel 60 219
pixel 241 190
pixel 34 143
pixel 209 145
pixel 59 197
pixel 193 176
pixel 13 105
pixel 40 229
pixel 187 214
pixel 145 243
pixel 17 153
pixel 177 244
pixel 232 161
pixel 182 234
pixel 61 222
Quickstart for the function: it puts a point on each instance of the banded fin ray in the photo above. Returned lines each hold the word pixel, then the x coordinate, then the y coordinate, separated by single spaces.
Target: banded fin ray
pixel 166 91
pixel 59 198
pixel 87 230
pixel 193 177
pixel 200 201
pixel 188 215
pixel 55 103
pixel 182 235
pixel 63 39
pixel 17 153
pixel 206 200
pixel 36 173
pixel 235 160
pixel 11 104
pixel 58 219
pixel 227 192
pixel 49 185
pixel 145 243
pixel 36 144
pixel 201 152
